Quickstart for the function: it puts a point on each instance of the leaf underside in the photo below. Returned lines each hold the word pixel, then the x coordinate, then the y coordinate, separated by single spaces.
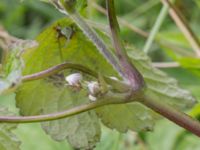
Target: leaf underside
pixel 51 95
pixel 8 141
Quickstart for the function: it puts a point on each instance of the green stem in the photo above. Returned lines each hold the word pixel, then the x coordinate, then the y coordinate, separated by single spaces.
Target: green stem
pixel 173 114
pixel 56 69
pixel 119 85
pixel 130 73
pixel 93 36
pixel 106 100
pixel 123 22
pixel 156 27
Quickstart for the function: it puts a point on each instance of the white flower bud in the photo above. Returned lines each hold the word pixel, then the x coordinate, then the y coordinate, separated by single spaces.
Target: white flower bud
pixel 74 79
pixel 92 98
pixel 93 87
pixel 114 78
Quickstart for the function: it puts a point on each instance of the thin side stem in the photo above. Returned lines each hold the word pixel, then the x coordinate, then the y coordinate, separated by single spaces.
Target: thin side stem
pixel 120 85
pixel 53 116
pixel 107 100
pixel 130 73
pixel 181 22
pixel 123 22
pixel 174 115
pixel 142 33
pixel 56 69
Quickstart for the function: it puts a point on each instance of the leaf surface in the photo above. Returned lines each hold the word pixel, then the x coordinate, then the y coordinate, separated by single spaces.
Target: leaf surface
pixel 51 94
pixel 160 87
pixel 8 140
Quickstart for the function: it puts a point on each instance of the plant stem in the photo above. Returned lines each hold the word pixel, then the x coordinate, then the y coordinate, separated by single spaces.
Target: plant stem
pixel 111 98
pixel 130 73
pixel 56 69
pixel 119 85
pixel 156 27
pixel 144 34
pixel 173 114
pixel 184 27
pixel 165 110
pixel 123 22
pixel 93 36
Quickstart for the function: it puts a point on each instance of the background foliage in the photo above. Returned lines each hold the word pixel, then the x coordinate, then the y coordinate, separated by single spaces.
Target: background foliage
pixel 28 19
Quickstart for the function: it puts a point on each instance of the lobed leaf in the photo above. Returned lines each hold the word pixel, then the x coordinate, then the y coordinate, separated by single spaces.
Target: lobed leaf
pixel 160 87
pixel 51 94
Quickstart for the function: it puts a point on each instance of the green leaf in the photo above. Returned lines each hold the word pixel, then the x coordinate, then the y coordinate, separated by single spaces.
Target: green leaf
pixel 28 132
pixel 12 71
pixel 8 141
pixel 127 116
pixel 51 95
pixel 160 86
pixel 186 79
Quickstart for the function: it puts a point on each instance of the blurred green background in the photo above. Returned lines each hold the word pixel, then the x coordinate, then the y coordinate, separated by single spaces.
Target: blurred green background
pixel 27 19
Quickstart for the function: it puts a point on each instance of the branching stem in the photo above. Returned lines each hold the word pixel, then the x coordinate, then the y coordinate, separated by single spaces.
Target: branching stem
pixel 93 36
pixel 130 73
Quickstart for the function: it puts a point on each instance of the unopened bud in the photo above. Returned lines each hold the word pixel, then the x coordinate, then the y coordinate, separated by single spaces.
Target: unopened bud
pixel 74 79
pixel 93 87
pixel 114 78
pixel 92 98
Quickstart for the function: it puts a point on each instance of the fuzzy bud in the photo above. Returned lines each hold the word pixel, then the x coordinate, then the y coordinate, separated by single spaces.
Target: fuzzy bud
pixel 74 79
pixel 93 88
pixel 92 98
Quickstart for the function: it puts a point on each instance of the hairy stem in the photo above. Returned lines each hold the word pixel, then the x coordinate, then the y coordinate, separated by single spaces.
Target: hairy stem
pixel 56 69
pixel 173 114
pixel 165 110
pixel 122 22
pixel 158 40
pixel 93 36
pixel 118 85
pixel 106 100
pixel 130 73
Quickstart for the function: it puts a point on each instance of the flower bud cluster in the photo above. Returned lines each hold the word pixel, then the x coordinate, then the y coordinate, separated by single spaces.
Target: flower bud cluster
pixel 94 88
pixel 74 79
